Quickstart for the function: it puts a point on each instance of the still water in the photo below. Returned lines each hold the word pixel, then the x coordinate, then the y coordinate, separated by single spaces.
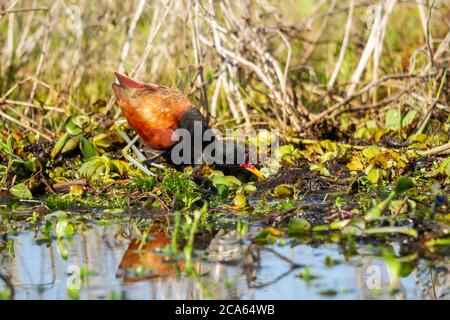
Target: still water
pixel 37 271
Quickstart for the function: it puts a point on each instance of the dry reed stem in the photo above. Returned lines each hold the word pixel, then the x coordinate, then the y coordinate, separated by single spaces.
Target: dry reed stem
pixel 235 55
pixel 348 27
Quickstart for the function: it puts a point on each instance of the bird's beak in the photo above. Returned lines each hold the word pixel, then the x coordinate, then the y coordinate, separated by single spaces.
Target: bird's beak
pixel 255 171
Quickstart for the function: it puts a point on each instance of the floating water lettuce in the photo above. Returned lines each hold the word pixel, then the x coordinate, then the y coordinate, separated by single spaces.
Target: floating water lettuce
pixel 21 191
pixel 403 184
pixel 298 226
pixel 284 191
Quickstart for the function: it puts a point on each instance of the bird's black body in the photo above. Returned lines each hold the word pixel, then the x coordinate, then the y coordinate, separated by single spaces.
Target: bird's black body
pixel 222 150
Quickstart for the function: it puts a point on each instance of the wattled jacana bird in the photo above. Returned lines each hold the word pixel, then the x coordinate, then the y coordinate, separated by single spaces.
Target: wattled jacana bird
pixel 146 255
pixel 155 112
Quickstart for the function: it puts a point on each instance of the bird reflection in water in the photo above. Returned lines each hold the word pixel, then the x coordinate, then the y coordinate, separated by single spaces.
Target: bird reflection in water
pixel 144 260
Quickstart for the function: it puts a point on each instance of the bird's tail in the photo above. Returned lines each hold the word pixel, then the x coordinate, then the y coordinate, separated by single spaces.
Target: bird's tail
pixel 133 84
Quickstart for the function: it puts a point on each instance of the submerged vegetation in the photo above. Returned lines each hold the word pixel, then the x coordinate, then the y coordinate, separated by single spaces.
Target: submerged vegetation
pixel 358 91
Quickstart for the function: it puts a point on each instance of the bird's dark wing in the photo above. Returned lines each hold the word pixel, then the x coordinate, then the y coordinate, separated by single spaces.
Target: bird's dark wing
pixel 192 116
pixel 234 153
pixel 191 120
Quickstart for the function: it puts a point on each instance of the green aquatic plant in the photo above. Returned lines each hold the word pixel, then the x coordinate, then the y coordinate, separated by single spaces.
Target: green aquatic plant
pixel 102 167
pixel 78 129
pixel 175 233
pixel 21 191
pixel 180 186
pixel 298 226
pixel 307 275
pixel 5 293
pixel 224 184
pixel 403 184
pixel 143 183
pixel 189 247
pixel 7 149
pixel 399 267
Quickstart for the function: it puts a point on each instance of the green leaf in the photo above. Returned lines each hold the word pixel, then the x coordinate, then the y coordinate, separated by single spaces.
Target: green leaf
pixel 374 175
pixel 62 249
pixel 59 145
pixel 395 266
pixel 7 147
pixel 393 119
pixel 31 165
pixel 249 188
pixel 403 184
pixel 9 142
pixel 371 152
pixel 240 201
pixel 89 168
pixel 340 224
pixel 72 128
pixel 306 274
pixel 355 164
pixel 283 151
pixel 120 166
pixel 320 228
pixel 409 118
pixel 263 138
pixel 404 230
pixel 319 168
pixel 298 226
pixel 399 267
pixel 87 149
pixel 61 228
pixel 21 191
pixel 438 242
pixel 81 121
pixel 59 214
pixel 376 212
pixel 284 191
pixel 101 140
pixel 353 230
pixel 444 167
pixel 268 235
pixel 71 144
pixel 230 182
pixel 330 262
pixel 222 190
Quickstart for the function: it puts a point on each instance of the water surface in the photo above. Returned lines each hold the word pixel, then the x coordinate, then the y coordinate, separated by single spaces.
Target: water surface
pixel 37 271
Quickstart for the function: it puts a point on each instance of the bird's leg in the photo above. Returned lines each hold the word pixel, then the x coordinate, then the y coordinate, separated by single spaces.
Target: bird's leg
pixel 130 144
pixel 149 161
pixel 124 136
pixel 137 152
pixel 132 160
